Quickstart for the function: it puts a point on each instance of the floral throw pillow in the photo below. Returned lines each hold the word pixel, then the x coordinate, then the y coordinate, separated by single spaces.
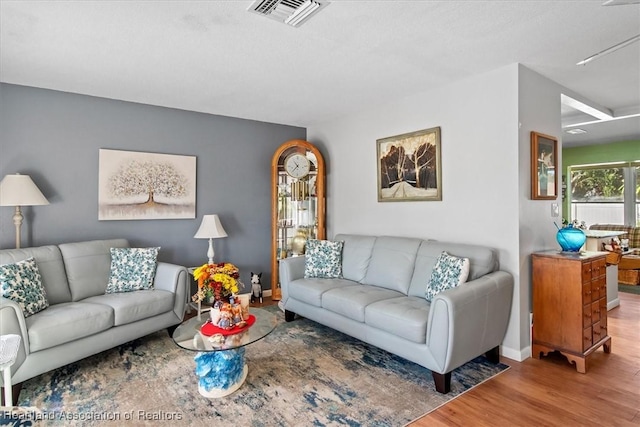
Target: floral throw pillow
pixel 323 259
pixel 132 269
pixel 449 272
pixel 21 282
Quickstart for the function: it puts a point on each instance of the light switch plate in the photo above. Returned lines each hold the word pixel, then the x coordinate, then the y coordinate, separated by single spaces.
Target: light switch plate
pixel 555 210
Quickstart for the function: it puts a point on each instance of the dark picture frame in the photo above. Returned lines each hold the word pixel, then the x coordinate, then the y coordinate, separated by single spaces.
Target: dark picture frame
pixel 409 167
pixel 544 166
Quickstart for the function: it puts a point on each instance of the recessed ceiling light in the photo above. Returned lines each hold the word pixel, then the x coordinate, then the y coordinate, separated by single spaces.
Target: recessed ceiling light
pixel 576 131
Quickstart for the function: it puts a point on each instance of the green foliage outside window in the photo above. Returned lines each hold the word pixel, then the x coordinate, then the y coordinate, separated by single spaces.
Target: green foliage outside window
pixel 597 185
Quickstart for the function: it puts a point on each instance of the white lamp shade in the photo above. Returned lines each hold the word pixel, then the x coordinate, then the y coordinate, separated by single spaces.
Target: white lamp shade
pixel 210 228
pixel 20 190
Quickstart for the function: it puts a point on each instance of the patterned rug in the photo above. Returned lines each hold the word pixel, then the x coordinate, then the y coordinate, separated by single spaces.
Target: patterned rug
pixel 302 374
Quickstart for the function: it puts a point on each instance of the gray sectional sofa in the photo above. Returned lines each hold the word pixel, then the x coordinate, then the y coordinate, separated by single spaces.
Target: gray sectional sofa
pixel 81 319
pixel 381 300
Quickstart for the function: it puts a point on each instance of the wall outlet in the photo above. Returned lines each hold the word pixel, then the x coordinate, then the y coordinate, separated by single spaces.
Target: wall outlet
pixel 555 210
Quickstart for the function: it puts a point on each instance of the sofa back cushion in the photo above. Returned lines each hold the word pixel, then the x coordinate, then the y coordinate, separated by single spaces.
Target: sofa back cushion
pixel 482 260
pixel 356 255
pixel 50 265
pixel 88 265
pixel 392 263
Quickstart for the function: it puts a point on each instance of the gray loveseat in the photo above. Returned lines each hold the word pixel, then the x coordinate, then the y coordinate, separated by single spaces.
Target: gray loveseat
pixel 380 300
pixel 81 319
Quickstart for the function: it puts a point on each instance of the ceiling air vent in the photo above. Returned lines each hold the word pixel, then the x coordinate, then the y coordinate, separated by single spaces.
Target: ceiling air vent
pixel 291 12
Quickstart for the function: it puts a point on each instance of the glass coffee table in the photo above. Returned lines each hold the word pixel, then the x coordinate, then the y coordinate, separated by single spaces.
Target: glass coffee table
pixel 220 363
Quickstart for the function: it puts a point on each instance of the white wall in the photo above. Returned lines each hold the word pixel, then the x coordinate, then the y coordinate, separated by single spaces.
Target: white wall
pixel 480 169
pixel 539 107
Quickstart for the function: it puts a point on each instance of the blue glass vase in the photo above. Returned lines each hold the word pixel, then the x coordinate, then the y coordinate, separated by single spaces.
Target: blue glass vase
pixel 571 239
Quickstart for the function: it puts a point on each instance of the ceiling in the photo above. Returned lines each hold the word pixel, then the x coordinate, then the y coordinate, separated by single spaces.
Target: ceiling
pixel 216 57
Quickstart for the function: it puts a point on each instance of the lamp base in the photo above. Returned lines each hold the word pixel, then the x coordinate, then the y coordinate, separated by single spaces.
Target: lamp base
pixel 210 251
pixel 17 221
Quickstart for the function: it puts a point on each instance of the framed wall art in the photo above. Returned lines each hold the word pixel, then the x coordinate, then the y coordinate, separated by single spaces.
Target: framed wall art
pixel 409 167
pixel 544 164
pixel 134 185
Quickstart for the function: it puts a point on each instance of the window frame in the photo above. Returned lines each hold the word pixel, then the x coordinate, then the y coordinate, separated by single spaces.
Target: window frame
pixel 630 174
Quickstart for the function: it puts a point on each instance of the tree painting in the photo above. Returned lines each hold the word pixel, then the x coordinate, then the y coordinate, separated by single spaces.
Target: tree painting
pixel 148 179
pixel 146 185
pixel 409 166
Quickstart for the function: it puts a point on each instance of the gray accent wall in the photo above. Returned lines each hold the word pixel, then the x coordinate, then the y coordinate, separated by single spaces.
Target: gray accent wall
pixel 55 138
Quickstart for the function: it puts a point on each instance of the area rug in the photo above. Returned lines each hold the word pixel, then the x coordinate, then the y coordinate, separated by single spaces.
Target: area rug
pixel 631 289
pixel 302 374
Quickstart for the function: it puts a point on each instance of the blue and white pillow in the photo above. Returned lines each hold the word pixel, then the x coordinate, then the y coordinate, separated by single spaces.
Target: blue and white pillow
pixel 449 272
pixel 132 269
pixel 22 283
pixel 323 259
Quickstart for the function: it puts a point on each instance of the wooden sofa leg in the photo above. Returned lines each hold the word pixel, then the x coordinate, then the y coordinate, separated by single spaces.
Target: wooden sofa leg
pixel 289 316
pixel 493 355
pixel 443 382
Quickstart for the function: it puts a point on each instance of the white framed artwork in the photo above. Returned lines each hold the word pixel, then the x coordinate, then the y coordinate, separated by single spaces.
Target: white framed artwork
pixel 135 185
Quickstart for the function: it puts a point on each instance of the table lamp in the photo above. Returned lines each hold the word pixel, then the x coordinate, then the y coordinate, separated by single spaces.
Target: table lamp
pixel 19 190
pixel 210 229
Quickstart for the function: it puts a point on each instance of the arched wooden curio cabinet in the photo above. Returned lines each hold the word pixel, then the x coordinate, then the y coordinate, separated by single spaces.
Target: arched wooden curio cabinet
pixel 297 202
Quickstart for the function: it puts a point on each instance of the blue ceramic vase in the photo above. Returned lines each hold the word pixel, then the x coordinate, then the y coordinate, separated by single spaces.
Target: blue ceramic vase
pixel 571 239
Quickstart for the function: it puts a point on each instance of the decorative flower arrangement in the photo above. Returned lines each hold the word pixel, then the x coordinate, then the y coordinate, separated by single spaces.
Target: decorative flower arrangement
pixel 217 281
pixel 574 224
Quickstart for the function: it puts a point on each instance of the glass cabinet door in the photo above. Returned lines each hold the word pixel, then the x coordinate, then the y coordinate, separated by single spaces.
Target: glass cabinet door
pixel 298 202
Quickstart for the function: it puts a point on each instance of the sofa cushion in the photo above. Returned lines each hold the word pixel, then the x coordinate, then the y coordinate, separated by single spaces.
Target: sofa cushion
pixel 392 263
pixel 132 269
pixel 482 260
pixel 449 272
pixel 405 317
pixel 20 282
pixel 66 322
pixel 356 255
pixel 50 265
pixel 351 301
pixel 88 265
pixel 310 290
pixel 137 305
pixel 323 259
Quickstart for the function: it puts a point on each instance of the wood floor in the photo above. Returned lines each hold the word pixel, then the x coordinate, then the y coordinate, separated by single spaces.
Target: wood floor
pixel 549 391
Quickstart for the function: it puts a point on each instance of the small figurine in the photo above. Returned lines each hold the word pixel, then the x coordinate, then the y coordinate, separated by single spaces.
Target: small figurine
pixel 256 287
pixel 226 317
pixel 238 318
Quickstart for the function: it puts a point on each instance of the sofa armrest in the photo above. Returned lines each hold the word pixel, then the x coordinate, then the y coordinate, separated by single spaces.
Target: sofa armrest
pixel 12 322
pixel 290 269
pixel 173 278
pixel 469 320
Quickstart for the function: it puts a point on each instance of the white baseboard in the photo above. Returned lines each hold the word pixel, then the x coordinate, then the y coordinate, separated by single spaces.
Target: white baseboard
pixel 517 355
pixel 266 292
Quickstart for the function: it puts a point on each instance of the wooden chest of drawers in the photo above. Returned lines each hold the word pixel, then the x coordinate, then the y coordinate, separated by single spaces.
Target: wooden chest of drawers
pixel 569 305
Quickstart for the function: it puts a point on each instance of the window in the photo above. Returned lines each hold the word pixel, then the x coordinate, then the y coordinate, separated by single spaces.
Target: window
pixel 605 193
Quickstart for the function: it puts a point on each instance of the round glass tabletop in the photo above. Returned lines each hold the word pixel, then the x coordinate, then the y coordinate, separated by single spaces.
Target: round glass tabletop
pixel 189 337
